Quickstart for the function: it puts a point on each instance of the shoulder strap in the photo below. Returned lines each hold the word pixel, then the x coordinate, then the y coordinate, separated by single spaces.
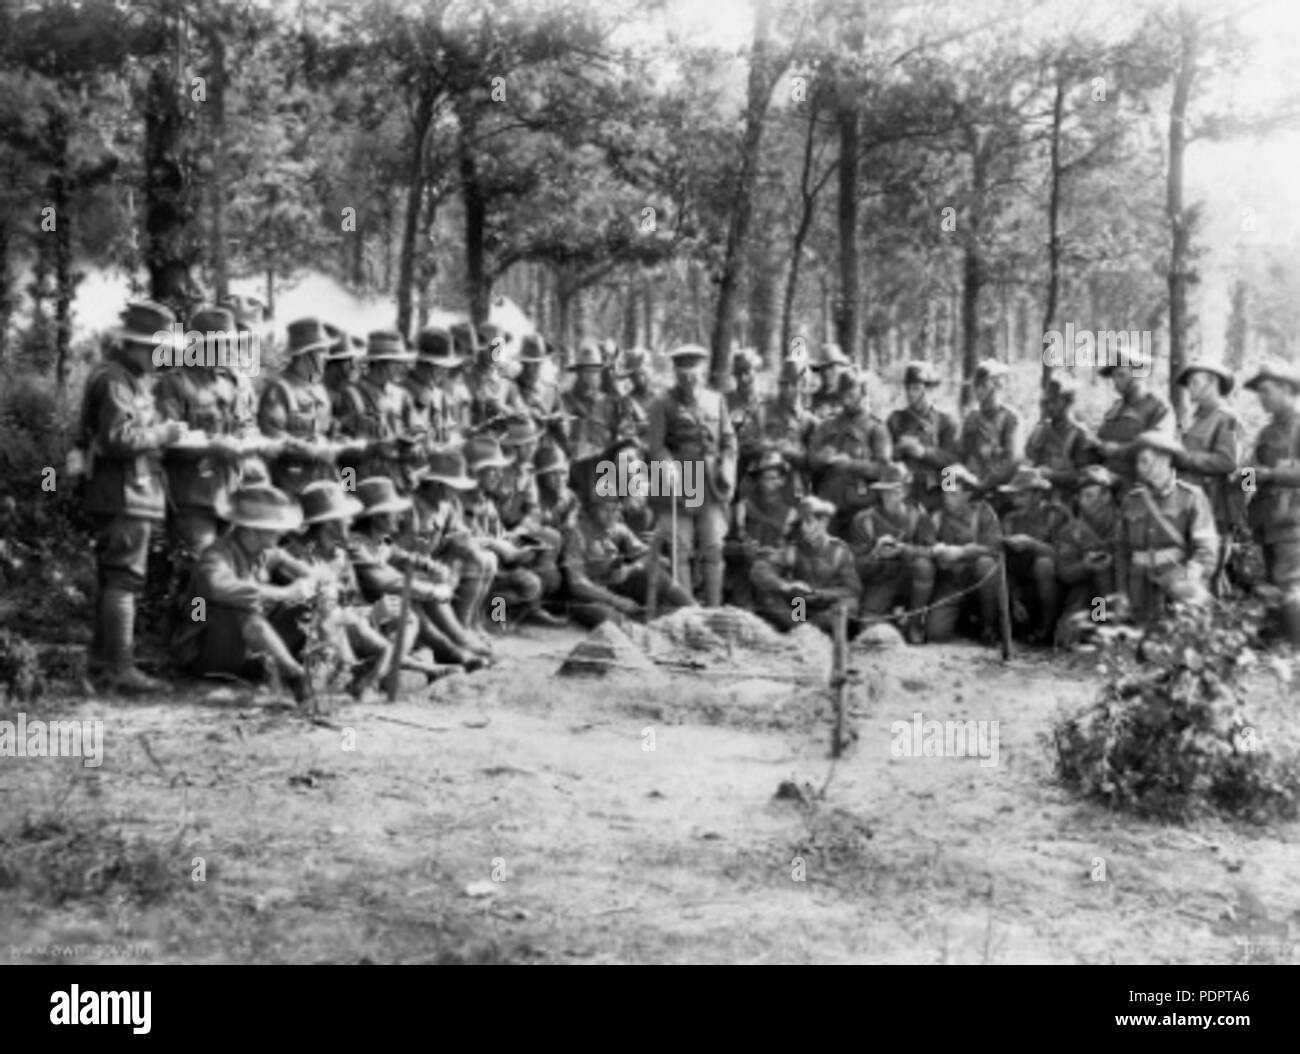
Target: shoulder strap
pixel 1173 533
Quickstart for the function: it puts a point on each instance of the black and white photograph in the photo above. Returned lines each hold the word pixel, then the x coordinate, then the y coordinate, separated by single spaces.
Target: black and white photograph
pixel 638 482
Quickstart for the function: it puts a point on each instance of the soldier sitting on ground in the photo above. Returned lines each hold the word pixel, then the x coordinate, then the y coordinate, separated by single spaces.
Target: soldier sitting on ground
pixel 248 619
pixel 1029 531
pixel 1085 546
pixel 607 573
pixel 761 523
pixel 1167 543
pixel 891 544
pixel 379 562
pixel 966 553
pixel 807 579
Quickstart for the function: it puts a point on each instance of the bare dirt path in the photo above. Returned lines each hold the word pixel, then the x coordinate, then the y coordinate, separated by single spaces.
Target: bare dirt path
pixel 540 793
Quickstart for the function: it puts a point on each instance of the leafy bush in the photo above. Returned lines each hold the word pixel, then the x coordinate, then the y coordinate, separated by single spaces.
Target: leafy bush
pixel 1168 737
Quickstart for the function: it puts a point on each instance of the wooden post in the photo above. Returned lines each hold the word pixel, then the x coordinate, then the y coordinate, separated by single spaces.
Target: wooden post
pixel 1004 608
pixel 399 643
pixel 839 676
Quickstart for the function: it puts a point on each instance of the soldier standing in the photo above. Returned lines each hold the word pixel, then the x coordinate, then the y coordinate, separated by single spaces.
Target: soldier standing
pixel 1212 441
pixel 925 437
pixel 746 411
pixel 295 406
pixel 377 409
pixel 634 413
pixel 1275 507
pixel 848 452
pixel 541 400
pixel 1059 444
pixel 830 367
pixel 589 425
pixel 787 427
pixel 690 423
pixel 1134 412
pixel 125 438
pixel 990 435
pixel 1167 543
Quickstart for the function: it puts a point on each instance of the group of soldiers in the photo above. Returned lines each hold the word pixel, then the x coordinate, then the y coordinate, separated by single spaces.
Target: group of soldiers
pixel 407 502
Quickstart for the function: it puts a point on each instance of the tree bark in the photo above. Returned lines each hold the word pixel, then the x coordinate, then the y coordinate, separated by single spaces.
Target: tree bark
pixel 217 178
pixel 759 96
pixel 64 280
pixel 421 121
pixel 1053 219
pixel 167 209
pixel 846 306
pixel 1180 222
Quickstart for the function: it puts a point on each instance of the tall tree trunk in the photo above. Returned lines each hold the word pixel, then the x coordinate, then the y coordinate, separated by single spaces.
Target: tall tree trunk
pixel 270 291
pixel 420 124
pixel 1053 219
pixel 759 96
pixel 846 305
pixel 7 296
pixel 1180 222
pixel 629 310
pixel 807 203
pixel 648 289
pixel 64 280
pixel 168 211
pixel 479 291
pixel 217 179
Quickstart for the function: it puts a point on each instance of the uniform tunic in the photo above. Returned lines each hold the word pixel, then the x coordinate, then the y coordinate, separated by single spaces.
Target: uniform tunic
pixel 1155 559
pixel 863 437
pixel 937 432
pixel 1128 417
pixel 1213 442
pixel 301 410
pixel 990 444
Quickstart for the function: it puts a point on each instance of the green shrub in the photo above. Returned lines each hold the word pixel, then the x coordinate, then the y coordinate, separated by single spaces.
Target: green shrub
pixel 1168 737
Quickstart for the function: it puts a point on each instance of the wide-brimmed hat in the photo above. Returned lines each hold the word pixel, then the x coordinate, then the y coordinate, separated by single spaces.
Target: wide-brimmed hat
pixel 1095 476
pixel 1277 373
pixel 745 360
pixel 447 466
pixel 893 477
pixel 531 349
pixel 831 355
pixel 1026 478
pixel 348 347
pixel 962 476
pixel 520 430
pixel 920 373
pixel 769 461
pixel 142 321
pixel 307 334
pixel 262 508
pixel 687 355
pixel 325 500
pixel 1161 442
pixel 484 452
pixel 464 340
pixel 379 495
pixel 988 368
pixel 1063 386
pixel 588 357
pixel 550 459
pixel 434 346
pixel 811 505
pixel 212 320
pixel 387 345
pixel 1221 372
pixel 850 382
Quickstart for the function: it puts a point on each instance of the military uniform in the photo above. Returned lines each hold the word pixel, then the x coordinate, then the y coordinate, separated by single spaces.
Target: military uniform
pixel 698 430
pixel 1060 447
pixel 298 409
pixel 1213 442
pixel 788 430
pixel 863 438
pixel 747 422
pixel 378 414
pixel 990 444
pixel 1127 418
pixel 827 568
pixel 937 433
pixel 1166 548
pixel 590 423
pixel 1073 542
pixel 1032 572
pixel 978 525
pixel 905 576
pixel 1275 507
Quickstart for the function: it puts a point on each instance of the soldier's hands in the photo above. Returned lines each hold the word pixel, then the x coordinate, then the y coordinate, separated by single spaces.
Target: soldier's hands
pixel 910 446
pixel 170 432
pixel 1098 561
pixel 299 590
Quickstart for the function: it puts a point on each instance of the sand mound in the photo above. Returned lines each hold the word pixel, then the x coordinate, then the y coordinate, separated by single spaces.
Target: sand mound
pixel 604 649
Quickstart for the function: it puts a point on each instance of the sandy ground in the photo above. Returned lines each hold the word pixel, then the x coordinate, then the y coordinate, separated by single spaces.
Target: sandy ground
pixel 517 816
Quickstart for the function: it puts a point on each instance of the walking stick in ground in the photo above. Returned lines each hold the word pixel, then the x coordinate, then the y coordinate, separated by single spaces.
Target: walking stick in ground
pixel 676 485
pixel 399 643
pixel 1004 608
pixel 652 579
pixel 839 676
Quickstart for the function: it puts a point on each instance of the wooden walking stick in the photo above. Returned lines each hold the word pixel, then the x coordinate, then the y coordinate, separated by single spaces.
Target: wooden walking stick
pixel 1004 608
pixel 399 643
pixel 839 675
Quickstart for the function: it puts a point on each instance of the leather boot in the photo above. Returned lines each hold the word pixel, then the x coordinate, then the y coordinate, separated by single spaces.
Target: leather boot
pixel 117 614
